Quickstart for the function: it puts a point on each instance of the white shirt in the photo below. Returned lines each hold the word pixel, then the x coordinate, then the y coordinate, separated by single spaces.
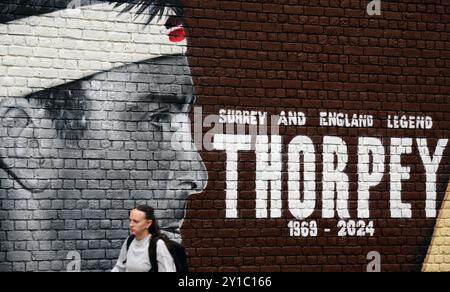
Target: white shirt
pixel 137 258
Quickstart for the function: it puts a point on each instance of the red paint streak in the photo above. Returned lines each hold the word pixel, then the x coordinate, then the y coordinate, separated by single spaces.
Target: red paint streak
pixel 177 35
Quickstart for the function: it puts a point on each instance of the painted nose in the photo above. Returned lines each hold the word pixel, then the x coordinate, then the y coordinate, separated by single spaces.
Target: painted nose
pixel 192 174
pixel 193 178
pixel 199 174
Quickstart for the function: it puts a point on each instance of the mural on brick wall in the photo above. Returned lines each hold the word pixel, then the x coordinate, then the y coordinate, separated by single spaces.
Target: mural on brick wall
pixel 306 147
pixel 92 112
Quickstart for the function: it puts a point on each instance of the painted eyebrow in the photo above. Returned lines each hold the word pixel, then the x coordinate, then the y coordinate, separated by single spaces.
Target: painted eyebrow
pixel 135 107
pixel 158 111
pixel 181 99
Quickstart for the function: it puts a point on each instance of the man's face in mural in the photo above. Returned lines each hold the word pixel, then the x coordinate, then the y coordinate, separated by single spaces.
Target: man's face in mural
pixel 95 148
pixel 77 157
pixel 104 138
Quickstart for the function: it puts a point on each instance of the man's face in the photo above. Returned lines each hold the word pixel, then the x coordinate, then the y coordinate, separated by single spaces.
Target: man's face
pixel 126 141
pixel 138 122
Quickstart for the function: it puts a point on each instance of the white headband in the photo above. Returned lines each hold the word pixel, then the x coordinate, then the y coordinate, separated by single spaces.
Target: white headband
pixel 44 51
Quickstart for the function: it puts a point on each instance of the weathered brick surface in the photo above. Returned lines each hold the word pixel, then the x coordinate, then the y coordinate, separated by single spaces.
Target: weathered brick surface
pixel 319 56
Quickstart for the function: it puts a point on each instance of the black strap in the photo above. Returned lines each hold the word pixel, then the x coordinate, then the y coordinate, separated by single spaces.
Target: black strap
pixel 176 250
pixel 152 247
pixel 129 242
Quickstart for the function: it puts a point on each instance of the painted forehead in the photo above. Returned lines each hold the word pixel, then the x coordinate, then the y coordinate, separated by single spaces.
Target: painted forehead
pixel 162 80
pixel 55 48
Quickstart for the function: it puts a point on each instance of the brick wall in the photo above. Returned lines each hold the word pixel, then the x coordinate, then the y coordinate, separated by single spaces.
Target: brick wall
pixel 78 150
pixel 318 56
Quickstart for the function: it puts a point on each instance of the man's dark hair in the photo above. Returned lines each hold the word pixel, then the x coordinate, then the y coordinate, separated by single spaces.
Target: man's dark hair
pixel 152 8
pixel 16 9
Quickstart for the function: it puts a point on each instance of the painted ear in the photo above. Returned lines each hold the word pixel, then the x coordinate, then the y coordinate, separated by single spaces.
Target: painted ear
pixel 22 154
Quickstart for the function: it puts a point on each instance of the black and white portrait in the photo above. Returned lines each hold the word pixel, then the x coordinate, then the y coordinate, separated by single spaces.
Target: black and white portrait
pixel 95 98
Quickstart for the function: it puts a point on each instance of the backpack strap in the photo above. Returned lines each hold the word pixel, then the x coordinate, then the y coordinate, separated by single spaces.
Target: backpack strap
pixel 129 242
pixel 176 250
pixel 179 255
pixel 152 247
pixel 152 250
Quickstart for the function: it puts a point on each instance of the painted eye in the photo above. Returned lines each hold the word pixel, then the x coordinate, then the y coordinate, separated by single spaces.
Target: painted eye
pixel 158 119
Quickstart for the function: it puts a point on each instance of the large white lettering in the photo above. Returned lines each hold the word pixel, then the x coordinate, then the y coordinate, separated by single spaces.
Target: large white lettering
pixel 302 158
